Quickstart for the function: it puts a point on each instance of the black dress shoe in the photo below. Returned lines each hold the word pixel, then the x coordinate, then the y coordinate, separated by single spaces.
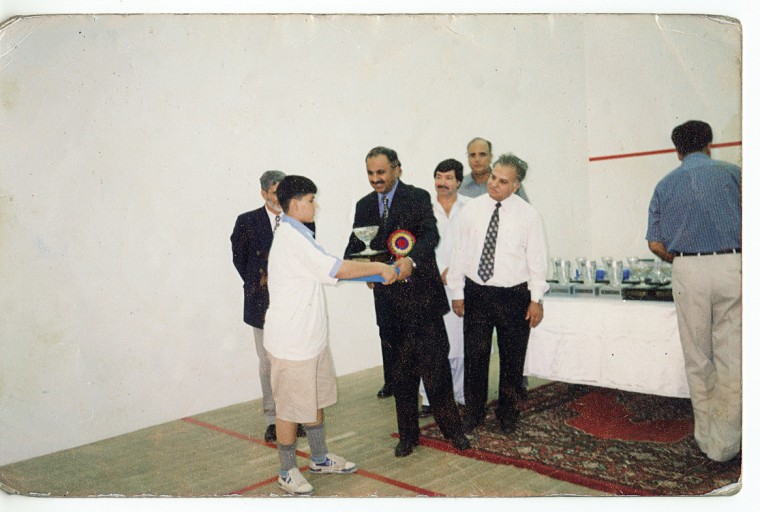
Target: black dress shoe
pixel 404 448
pixel 270 436
pixel 508 425
pixel 426 411
pixel 469 424
pixel 300 431
pixel 460 442
pixel 385 392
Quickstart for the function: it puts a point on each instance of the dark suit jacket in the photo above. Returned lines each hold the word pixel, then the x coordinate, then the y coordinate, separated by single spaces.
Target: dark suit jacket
pixel 251 240
pixel 423 295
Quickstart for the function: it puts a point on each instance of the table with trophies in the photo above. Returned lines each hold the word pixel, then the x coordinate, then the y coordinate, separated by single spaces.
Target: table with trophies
pixel 610 326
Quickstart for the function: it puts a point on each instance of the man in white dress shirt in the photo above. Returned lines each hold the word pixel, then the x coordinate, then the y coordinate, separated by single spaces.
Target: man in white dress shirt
pixel 497 278
pixel 448 177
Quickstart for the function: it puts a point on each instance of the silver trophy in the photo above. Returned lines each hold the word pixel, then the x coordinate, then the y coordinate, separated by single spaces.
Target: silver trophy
pixel 555 266
pixel 366 234
pixel 588 272
pixel 607 264
pixel 616 273
pixel 581 266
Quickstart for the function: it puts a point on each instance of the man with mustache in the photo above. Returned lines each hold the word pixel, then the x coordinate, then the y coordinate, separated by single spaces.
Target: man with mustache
pixel 448 178
pixel 410 312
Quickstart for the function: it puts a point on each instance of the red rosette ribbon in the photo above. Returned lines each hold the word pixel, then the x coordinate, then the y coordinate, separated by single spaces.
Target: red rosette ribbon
pixel 401 242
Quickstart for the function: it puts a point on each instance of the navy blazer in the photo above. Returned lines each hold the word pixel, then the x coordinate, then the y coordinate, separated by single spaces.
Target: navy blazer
pixel 251 240
pixel 423 295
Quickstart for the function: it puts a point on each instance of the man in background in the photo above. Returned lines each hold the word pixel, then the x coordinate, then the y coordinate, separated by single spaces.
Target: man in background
pixel 479 159
pixel 448 178
pixel 251 240
pixel 695 223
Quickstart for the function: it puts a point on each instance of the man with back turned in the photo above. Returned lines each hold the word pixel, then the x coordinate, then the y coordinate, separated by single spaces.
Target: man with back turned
pixel 695 223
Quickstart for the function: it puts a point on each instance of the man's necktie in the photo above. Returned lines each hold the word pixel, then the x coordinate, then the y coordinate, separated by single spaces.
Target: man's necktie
pixel 385 209
pixel 485 268
pixel 276 222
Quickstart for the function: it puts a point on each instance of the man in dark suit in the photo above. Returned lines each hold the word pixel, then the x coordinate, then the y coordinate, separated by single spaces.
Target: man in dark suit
pixel 251 240
pixel 410 312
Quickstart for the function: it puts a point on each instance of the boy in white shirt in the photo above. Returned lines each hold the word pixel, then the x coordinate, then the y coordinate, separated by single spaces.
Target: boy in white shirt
pixel 303 376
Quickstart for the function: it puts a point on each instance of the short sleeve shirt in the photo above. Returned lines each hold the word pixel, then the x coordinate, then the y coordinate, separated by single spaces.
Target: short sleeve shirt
pixel 296 321
pixel 697 207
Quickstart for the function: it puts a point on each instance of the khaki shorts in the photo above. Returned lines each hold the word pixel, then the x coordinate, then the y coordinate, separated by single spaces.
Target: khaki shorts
pixel 300 388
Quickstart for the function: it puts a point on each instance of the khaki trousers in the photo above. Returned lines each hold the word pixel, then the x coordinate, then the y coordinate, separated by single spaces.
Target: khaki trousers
pixel 707 291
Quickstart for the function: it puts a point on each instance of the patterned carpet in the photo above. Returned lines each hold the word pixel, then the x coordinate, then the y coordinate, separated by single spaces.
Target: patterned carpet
pixel 613 441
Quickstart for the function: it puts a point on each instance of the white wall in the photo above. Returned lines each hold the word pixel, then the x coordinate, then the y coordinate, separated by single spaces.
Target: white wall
pixel 639 88
pixel 131 143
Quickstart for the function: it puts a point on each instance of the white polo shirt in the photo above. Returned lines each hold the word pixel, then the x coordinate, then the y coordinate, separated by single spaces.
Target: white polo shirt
pixel 295 327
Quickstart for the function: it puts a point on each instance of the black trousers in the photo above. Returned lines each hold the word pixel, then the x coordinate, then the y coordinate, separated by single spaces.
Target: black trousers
pixel 486 308
pixel 388 350
pixel 422 351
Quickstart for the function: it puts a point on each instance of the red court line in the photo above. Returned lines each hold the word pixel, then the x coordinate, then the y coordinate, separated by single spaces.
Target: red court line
pixel 396 483
pixel 232 433
pixel 657 152
pixel 268 481
pixel 245 437
pixel 255 486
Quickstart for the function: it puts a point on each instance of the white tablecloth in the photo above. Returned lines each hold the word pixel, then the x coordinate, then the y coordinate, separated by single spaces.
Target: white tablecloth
pixel 629 345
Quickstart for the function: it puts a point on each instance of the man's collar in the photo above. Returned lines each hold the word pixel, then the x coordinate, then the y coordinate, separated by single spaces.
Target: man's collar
pixel 270 211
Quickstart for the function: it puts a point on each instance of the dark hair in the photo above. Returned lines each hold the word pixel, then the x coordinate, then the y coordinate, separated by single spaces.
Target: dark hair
pixel 450 165
pixel 510 159
pixel 294 187
pixel 691 137
pixel 387 152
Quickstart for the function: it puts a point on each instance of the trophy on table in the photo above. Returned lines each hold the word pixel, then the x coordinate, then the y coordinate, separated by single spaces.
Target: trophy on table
pixel 616 273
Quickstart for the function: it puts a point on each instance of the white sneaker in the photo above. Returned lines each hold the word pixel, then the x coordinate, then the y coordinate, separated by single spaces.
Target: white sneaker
pixel 295 483
pixel 333 464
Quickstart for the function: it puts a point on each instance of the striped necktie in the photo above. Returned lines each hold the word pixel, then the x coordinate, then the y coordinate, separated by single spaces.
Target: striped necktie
pixel 385 209
pixel 487 257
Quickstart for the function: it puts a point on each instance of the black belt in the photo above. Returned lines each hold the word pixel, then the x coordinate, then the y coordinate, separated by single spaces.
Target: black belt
pixel 515 288
pixel 713 253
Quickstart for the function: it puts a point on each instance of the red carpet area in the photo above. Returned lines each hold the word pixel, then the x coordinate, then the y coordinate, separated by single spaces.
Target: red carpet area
pixel 613 441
